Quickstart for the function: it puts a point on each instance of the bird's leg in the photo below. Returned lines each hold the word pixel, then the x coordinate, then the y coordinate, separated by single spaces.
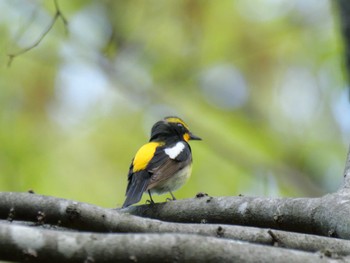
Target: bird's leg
pixel 172 195
pixel 150 196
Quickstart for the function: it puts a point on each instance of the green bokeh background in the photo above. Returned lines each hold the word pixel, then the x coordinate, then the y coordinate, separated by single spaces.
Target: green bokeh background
pixel 262 82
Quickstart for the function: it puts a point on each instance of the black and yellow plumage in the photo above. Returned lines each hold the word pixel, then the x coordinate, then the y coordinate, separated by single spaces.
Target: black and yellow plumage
pixel 163 164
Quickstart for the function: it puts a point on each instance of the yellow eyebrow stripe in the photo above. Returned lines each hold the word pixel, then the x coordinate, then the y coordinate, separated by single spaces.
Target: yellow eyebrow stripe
pixel 144 156
pixel 177 120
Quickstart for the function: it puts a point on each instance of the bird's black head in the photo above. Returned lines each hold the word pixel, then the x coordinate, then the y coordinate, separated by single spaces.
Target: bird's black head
pixel 171 128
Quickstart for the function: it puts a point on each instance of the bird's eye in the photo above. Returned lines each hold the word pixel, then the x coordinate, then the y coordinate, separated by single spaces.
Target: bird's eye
pixel 180 125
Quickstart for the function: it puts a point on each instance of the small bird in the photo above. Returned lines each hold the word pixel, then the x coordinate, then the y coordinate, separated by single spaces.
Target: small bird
pixel 163 164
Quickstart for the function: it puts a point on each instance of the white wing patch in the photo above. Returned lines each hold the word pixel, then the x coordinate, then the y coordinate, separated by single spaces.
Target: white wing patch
pixel 174 151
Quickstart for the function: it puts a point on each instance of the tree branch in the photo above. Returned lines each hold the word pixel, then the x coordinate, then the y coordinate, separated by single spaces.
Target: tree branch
pixel 21 243
pixel 327 215
pixel 60 214
pixel 346 182
pixel 57 15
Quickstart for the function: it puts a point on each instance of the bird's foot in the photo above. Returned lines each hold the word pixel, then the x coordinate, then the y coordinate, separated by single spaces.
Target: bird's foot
pixel 151 202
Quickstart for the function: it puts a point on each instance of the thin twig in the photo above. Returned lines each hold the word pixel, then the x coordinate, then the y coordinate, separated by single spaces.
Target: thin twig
pixel 60 15
pixel 57 15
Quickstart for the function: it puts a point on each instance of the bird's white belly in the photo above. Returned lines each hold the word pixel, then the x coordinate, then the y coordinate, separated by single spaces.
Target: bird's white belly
pixel 174 182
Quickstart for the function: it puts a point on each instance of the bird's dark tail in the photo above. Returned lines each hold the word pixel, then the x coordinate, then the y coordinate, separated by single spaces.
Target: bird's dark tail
pixel 138 185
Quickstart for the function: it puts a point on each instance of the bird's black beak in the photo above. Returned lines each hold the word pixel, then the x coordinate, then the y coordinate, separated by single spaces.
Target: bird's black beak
pixel 194 137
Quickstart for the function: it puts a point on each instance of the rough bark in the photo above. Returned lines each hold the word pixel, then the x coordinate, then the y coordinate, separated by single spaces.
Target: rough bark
pixel 346 182
pixel 46 212
pixel 21 243
pixel 307 215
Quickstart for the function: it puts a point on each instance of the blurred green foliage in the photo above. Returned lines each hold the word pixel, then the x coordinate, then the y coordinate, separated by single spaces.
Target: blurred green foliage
pixel 260 81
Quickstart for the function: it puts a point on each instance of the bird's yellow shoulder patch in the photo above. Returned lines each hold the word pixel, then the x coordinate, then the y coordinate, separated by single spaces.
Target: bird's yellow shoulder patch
pixel 144 155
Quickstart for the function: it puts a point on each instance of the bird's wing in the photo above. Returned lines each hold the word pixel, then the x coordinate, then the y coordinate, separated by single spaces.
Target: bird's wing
pixel 130 174
pixel 139 176
pixel 152 164
pixel 167 161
